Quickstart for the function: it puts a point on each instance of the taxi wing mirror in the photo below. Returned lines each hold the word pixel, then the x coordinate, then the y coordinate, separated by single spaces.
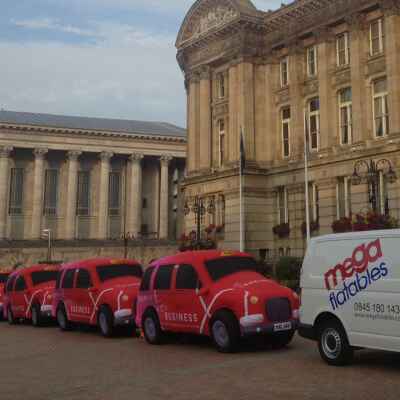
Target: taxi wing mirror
pixel 202 291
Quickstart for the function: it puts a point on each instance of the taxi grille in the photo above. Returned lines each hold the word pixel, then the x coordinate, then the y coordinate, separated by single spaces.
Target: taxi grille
pixel 278 309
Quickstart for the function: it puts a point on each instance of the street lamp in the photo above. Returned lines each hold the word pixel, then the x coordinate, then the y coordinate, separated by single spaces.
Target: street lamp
pixel 199 208
pixel 370 172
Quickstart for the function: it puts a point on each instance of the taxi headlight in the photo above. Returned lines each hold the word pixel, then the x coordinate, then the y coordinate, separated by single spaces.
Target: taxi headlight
pixel 254 300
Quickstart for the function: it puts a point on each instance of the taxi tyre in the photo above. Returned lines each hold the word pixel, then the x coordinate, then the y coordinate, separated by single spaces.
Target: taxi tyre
pixel 281 340
pixel 62 319
pixel 105 321
pixel 37 319
pixel 150 320
pixel 224 323
pixel 333 344
pixel 10 317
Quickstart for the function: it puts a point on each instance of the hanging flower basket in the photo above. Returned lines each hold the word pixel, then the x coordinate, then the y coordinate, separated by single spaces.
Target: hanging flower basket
pixel 314 226
pixel 281 230
pixel 364 222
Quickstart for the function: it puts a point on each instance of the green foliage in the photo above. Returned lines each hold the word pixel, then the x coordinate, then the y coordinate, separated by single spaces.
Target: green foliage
pixel 288 271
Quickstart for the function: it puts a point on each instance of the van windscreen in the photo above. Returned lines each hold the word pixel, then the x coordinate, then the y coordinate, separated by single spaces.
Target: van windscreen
pixel 40 277
pixel 221 267
pixel 107 272
pixel 3 278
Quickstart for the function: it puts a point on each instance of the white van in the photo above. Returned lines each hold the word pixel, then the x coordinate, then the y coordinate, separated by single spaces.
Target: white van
pixel 350 294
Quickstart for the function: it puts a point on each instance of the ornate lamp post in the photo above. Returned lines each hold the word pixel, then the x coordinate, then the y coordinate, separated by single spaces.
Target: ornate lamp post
pixel 369 172
pixel 199 208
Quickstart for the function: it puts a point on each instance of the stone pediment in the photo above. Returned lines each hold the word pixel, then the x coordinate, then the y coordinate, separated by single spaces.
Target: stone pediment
pixel 208 15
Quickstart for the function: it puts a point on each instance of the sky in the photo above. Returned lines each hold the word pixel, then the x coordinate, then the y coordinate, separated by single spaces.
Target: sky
pixel 98 58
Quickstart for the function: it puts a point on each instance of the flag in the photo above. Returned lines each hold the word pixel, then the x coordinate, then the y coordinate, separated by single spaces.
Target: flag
pixel 242 154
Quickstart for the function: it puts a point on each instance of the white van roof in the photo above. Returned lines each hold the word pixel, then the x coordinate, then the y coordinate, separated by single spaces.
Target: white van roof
pixel 356 235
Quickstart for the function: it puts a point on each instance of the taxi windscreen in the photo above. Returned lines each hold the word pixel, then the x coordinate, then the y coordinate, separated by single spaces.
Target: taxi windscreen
pixel 107 272
pixel 40 277
pixel 3 278
pixel 224 266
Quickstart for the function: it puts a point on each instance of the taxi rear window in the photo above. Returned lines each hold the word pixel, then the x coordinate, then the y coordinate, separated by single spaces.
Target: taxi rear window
pixel 40 277
pixel 3 278
pixel 107 272
pixel 224 266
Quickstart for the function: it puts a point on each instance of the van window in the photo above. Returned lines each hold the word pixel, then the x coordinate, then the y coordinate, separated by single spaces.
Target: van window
pixel 68 281
pixel 107 272
pixel 224 266
pixel 163 278
pixel 83 280
pixel 3 278
pixel 145 284
pixel 20 284
pixel 187 278
pixel 10 284
pixel 40 277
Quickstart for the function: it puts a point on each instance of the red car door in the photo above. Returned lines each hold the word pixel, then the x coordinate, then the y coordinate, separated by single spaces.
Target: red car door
pixel 189 308
pixel 20 298
pixel 83 297
pixel 163 298
pixel 67 287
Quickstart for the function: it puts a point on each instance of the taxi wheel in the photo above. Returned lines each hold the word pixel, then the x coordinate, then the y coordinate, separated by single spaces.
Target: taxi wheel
pixel 281 340
pixel 105 321
pixel 225 332
pixel 62 319
pixel 333 344
pixel 10 317
pixel 36 316
pixel 152 328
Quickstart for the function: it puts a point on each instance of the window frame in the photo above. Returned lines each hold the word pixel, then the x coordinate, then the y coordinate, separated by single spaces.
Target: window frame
pixel 82 211
pixel 348 106
pixel 312 50
pixel 285 122
pixel 314 201
pixel 221 141
pixel 85 270
pixel 198 281
pixel 343 185
pixel 16 192
pixel 380 37
pixel 114 176
pixel 167 267
pixel 25 286
pixel 221 83
pixel 284 73
pixel 282 194
pixel 346 37
pixel 50 210
pixel 145 285
pixel 66 273
pixel 383 98
pixel 317 115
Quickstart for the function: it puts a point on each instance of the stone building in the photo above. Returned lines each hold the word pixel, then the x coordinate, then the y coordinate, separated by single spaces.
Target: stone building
pixel 325 69
pixel 91 181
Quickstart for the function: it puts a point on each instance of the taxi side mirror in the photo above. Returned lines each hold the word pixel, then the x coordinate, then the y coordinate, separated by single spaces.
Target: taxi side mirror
pixel 202 292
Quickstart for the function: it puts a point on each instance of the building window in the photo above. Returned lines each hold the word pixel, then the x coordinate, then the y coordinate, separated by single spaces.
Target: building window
pixel 221 86
pixel 283 210
pixel 314 202
pixel 381 109
pixel 83 195
pixel 114 197
pixel 343 197
pixel 383 196
pixel 286 131
pixel 345 116
pixel 312 62
pixel 51 192
pixel 221 141
pixel 313 123
pixel 285 72
pixel 16 191
pixel 343 49
pixel 376 37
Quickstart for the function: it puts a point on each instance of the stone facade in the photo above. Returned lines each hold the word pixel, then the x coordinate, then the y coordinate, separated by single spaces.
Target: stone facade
pixel 83 184
pixel 330 68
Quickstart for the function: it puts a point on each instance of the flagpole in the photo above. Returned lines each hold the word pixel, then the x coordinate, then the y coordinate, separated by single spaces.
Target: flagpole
pixel 306 178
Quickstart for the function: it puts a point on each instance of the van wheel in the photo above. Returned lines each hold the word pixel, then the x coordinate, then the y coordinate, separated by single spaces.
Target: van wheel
pixel 152 328
pixel 62 319
pixel 281 340
pixel 10 317
pixel 225 332
pixel 333 344
pixel 105 320
pixel 36 315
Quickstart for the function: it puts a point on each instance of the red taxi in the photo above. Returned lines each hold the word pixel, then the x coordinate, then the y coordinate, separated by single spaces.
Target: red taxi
pixel 28 294
pixel 4 274
pixel 99 292
pixel 218 294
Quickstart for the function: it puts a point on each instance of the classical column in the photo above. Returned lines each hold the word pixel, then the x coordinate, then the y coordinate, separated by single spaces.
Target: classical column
pixel 164 195
pixel 233 149
pixel 105 158
pixel 193 124
pixel 134 205
pixel 38 191
pixel 205 120
pixel 72 187
pixel 4 179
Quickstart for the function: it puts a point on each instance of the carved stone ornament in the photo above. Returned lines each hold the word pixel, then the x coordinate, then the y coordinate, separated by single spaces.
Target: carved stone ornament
pixel 73 155
pixel 391 7
pixel 5 151
pixel 136 157
pixel 39 153
pixel 165 160
pixel 106 155
pixel 209 19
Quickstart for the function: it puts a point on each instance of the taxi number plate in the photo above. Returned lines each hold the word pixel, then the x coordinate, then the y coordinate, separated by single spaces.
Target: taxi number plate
pixel 283 326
